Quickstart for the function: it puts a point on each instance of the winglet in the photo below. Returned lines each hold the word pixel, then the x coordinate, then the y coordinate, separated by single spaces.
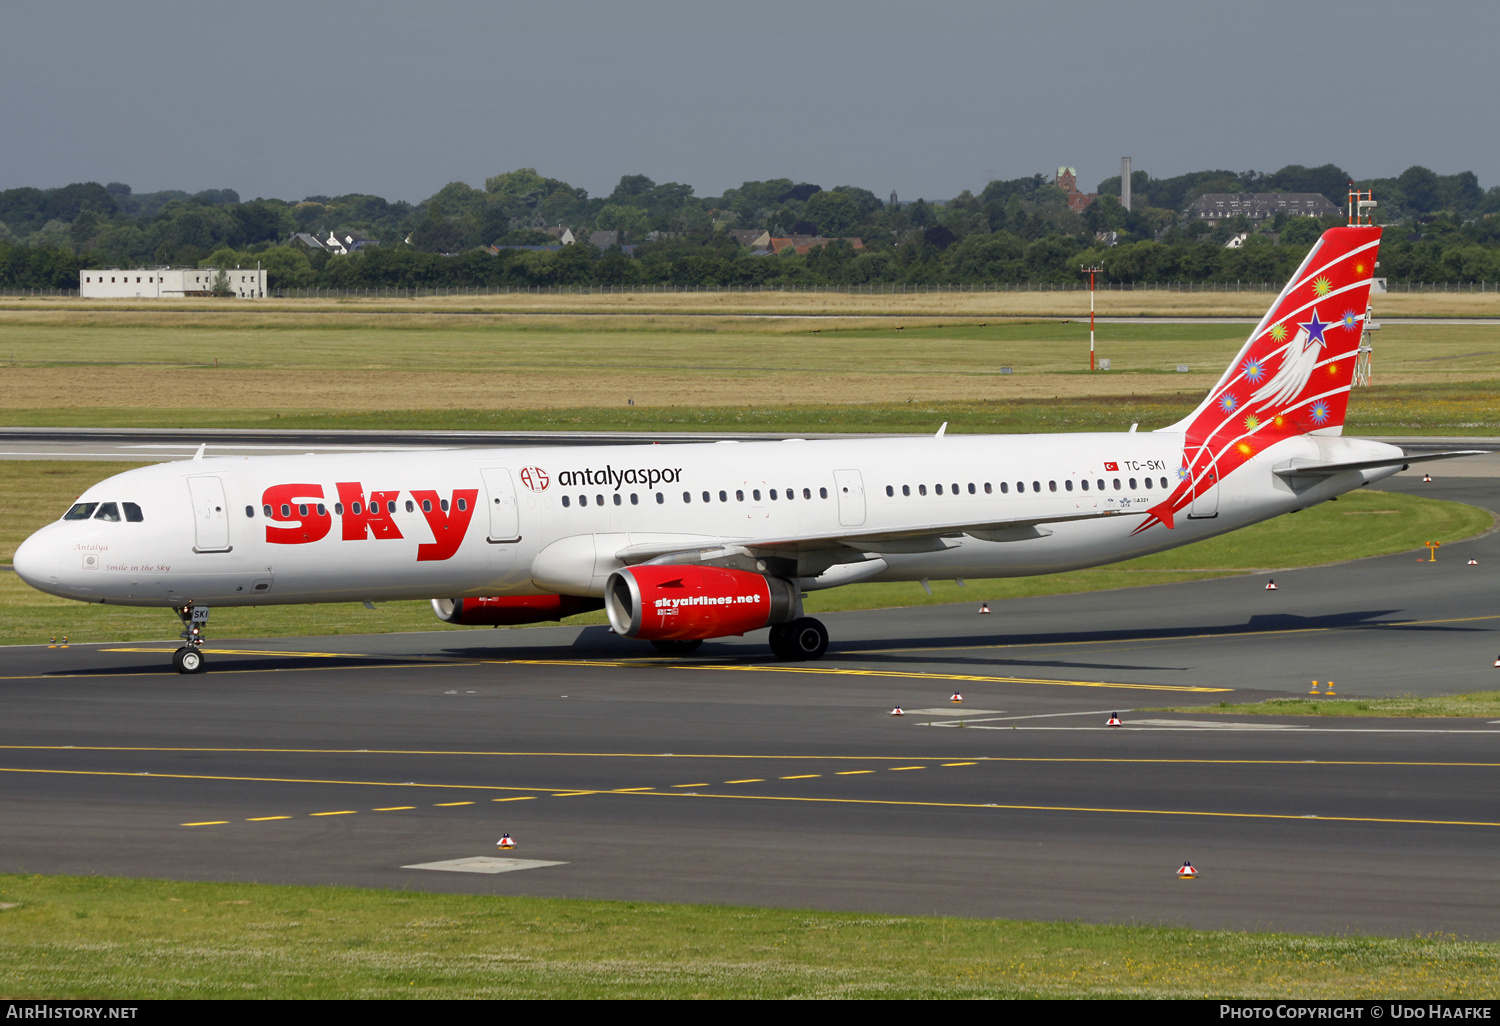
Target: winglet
pixel 199 454
pixel 941 430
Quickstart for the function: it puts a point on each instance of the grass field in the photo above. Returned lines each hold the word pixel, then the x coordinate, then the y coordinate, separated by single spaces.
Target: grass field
pixel 1364 523
pixel 1472 705
pixel 359 369
pixel 100 937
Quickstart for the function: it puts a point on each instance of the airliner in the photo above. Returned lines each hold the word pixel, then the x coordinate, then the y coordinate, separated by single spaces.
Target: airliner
pixel 682 543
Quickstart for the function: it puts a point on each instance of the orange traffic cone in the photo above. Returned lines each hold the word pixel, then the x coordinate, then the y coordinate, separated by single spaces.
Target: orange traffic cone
pixel 1271 585
pixel 897 711
pixel 957 698
pixel 1187 872
pixel 1113 721
pixel 1497 660
pixel 984 607
pixel 505 841
pixel 1427 479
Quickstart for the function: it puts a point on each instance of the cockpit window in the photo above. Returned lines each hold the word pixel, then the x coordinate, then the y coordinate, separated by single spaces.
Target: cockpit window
pixel 108 511
pixel 132 512
pixel 81 511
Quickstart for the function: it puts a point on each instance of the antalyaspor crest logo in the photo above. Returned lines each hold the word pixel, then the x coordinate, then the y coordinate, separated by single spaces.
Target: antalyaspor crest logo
pixel 535 478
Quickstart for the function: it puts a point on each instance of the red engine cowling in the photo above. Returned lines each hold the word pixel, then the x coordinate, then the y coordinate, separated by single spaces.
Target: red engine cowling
pixel 688 603
pixel 511 610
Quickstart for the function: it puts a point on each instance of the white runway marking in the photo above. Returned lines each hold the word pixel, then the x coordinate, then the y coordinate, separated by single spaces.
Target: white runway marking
pixel 484 864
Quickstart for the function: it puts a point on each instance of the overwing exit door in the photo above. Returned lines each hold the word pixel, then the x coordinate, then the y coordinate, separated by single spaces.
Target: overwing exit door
pixel 851 490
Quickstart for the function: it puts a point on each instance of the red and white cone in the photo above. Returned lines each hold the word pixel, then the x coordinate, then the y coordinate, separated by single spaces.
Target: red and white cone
pixel 897 711
pixel 505 841
pixel 1497 660
pixel 957 699
pixel 1473 562
pixel 1187 872
pixel 1113 721
pixel 984 608
pixel 1271 585
pixel 1427 479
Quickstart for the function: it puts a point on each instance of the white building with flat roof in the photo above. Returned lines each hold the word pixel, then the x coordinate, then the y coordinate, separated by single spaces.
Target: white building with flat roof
pixel 169 282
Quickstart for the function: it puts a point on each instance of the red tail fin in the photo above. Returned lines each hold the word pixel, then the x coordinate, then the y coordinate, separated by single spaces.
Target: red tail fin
pixel 1293 375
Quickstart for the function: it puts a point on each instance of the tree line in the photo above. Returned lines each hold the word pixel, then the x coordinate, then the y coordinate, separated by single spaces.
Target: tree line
pixel 1440 228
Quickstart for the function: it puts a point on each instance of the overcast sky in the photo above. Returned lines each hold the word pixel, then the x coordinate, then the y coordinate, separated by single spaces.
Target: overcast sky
pixel 289 99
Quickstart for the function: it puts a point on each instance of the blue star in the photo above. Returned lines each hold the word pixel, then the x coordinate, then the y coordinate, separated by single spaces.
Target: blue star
pixel 1314 329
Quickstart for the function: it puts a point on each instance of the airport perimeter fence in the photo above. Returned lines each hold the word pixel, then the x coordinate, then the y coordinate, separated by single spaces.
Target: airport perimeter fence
pixel 880 289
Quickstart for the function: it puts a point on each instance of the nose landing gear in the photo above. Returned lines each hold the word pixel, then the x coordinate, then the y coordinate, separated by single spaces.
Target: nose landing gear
pixel 189 658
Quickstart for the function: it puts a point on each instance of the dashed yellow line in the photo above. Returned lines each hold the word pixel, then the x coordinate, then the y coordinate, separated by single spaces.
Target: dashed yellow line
pixel 447 805
pixel 518 798
pixel 960 764
pixel 209 822
pixel 898 769
pixel 700 784
pixel 850 773
pixel 747 780
pixel 263 819
pixel 341 812
pixel 802 776
pixel 388 808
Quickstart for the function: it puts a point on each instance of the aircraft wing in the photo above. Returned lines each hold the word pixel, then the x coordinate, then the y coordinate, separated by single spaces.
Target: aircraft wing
pixel 1304 468
pixel 933 537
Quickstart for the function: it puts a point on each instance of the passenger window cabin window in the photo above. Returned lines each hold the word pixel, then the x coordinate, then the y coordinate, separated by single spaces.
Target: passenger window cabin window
pixel 108 511
pixel 937 489
pixel 660 498
pixel 249 511
pixel 302 509
pixel 921 489
pixel 739 495
pixel 823 493
pixel 706 497
pixel 1132 484
pixel 1068 484
pixel 791 493
pixel 1085 484
pixel 286 511
pixel 411 507
pixel 971 488
pixel 807 493
pixel 686 497
pixel 356 508
pixel 443 504
pixel 322 510
pixel 635 500
pixel 1147 482
pixel 773 495
pixel 1036 486
pixel 618 501
pixel 906 489
pixel 1020 486
pixel 1051 486
pixel 598 501
pixel 566 502
pixel 1101 484
pixel 1117 484
pixel 755 494
pixel 723 496
pixel 1004 488
pixel 266 509
pixel 390 506
pixel 427 504
pixel 890 491
pixel 338 508
pixel 1164 482
pixel 81 511
pixel 955 489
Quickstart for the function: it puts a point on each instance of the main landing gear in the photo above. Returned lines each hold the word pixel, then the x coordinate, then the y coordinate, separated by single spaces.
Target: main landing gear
pixel 804 638
pixel 189 658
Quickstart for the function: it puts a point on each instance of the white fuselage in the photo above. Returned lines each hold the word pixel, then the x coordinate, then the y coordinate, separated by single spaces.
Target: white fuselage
pixel 555 520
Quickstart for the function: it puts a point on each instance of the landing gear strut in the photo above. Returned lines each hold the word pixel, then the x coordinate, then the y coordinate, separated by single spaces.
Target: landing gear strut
pixel 189 658
pixel 804 638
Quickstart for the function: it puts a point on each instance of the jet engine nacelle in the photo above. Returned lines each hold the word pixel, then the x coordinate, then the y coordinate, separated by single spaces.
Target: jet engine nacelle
pixel 511 610
pixel 689 603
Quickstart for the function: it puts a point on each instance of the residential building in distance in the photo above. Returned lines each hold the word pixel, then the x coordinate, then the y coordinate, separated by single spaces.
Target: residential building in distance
pixel 169 282
pixel 603 239
pixel 1213 207
pixel 804 243
pixel 344 243
pixel 752 238
pixel 562 235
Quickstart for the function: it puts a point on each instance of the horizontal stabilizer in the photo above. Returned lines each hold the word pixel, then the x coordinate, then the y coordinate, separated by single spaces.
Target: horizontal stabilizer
pixel 1312 468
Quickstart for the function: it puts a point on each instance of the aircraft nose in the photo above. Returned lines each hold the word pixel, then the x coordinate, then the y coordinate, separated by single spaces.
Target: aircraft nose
pixel 36 560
